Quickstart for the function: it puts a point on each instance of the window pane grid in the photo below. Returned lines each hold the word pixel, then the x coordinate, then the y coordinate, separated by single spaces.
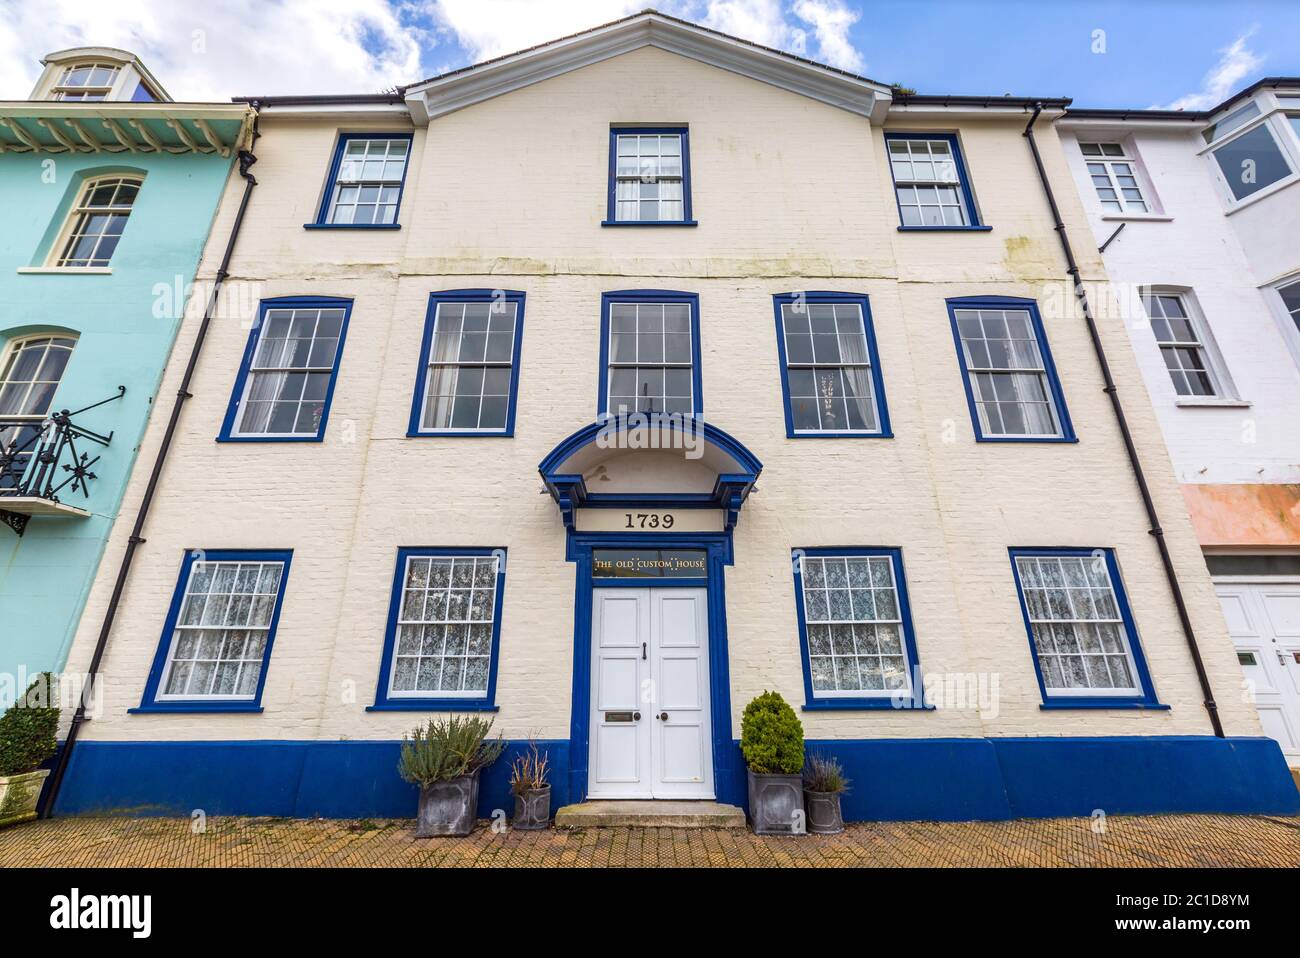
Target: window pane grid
pixel 651 360
pixel 855 628
pixel 1007 373
pixel 444 630
pixel 100 218
pixel 369 182
pixel 1180 346
pixel 927 183
pixel 221 632
pixel 289 377
pixel 86 81
pixel 467 385
pixel 1114 177
pixel 648 178
pixel 1079 636
pixel 829 368
pixel 31 374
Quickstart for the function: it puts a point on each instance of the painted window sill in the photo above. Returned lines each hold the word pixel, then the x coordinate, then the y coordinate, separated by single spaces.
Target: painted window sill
pixel 270 439
pixel 65 270
pixel 461 434
pixel 945 229
pixel 1196 401
pixel 859 705
pixel 1136 218
pixel 1044 439
pixel 1103 704
pixel 839 435
pixel 650 223
pixel 352 226
pixel 433 705
pixel 213 708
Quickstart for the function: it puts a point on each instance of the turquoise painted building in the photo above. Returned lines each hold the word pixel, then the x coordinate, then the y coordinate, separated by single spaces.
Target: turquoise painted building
pixel 109 190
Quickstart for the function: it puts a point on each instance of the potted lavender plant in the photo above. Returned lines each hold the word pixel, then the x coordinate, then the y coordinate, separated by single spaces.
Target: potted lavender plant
pixel 445 759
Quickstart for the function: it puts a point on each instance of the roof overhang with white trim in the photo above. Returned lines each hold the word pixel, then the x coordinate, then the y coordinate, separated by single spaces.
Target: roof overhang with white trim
pixel 462 88
pixel 39 126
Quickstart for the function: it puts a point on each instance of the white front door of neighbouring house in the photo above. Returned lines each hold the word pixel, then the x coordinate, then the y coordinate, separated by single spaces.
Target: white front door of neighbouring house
pixel 1264 621
pixel 650 733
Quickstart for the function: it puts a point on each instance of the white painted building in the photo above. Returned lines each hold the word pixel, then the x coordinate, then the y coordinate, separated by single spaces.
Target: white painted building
pixel 410 482
pixel 1199 214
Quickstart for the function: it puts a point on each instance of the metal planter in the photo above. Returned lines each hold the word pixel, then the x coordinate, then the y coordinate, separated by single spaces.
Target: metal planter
pixel 448 808
pixel 533 809
pixel 822 810
pixel 776 804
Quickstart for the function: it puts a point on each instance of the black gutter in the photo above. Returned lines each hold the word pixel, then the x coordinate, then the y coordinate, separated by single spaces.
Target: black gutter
pixel 984 102
pixel 135 540
pixel 1112 391
pixel 1271 83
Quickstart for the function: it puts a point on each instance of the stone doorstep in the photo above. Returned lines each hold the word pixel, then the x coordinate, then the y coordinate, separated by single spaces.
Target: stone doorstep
pixel 649 814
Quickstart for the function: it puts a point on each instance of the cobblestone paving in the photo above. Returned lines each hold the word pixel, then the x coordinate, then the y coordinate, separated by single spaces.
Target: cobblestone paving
pixel 1166 840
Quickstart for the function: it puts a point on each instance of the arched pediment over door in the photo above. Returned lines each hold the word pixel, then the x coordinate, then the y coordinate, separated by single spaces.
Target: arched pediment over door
pixel 651 463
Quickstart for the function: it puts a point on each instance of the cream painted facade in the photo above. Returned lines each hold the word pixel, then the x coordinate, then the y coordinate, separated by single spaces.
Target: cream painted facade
pixel 790 194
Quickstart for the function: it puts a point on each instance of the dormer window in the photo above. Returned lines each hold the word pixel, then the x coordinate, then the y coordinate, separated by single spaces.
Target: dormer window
pixel 86 81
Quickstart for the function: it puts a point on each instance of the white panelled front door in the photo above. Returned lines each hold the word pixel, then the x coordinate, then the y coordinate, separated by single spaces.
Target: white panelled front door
pixel 650 733
pixel 1264 621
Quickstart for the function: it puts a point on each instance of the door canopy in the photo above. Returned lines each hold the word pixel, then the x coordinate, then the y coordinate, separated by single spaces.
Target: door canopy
pixel 646 461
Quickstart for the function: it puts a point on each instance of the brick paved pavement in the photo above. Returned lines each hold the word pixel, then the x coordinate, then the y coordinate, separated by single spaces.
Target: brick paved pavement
pixel 1166 840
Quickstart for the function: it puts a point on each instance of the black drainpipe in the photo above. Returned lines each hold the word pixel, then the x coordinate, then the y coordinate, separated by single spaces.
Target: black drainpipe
pixel 1110 389
pixel 246 160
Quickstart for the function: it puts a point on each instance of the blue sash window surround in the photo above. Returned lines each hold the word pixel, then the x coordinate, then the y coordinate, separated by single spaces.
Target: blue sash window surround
pixel 217 639
pixel 445 614
pixel 1082 635
pixel 296 362
pixel 473 372
pixel 367 177
pixel 844 356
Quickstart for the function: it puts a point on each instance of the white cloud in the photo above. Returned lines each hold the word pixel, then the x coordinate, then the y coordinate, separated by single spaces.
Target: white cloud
pixel 1236 62
pixel 224 48
pixel 831 21
pixel 489 28
pixel 221 48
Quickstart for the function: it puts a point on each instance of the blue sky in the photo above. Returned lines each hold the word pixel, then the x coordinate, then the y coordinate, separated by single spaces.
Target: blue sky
pixel 1150 52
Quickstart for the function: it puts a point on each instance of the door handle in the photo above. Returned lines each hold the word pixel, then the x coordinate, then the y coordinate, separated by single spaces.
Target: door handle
pixel 663 716
pixel 642 651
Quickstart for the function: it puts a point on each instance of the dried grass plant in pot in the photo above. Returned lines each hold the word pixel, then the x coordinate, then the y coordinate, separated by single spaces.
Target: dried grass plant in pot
pixel 529 781
pixel 823 784
pixel 445 758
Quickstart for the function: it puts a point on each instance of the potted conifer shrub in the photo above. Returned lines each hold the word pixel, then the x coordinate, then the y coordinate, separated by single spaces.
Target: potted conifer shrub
pixel 823 784
pixel 771 739
pixel 445 759
pixel 532 789
pixel 28 731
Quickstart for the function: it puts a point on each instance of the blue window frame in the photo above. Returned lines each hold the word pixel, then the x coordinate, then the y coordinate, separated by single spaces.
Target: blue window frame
pixel 366 178
pixel 855 629
pixel 444 629
pixel 468 376
pixel 931 185
pixel 830 370
pixel 288 372
pixel 216 643
pixel 649 353
pixel 1081 631
pixel 1012 388
pixel 649 177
